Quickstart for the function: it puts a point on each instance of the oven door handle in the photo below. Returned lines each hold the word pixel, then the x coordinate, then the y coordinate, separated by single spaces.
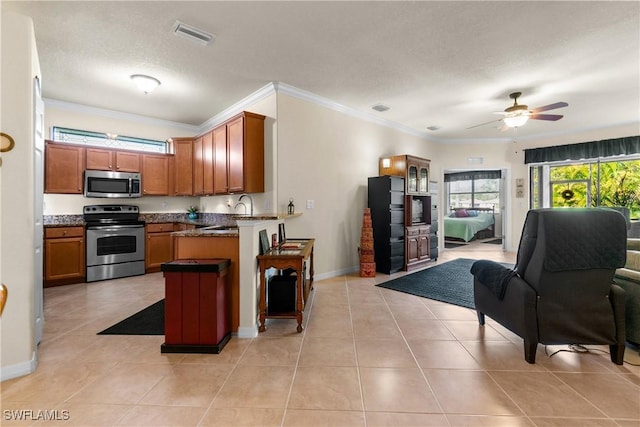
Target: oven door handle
pixel 112 228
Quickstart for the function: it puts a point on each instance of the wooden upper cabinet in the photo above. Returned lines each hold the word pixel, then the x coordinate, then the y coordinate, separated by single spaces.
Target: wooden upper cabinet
pixel 64 167
pixel 203 165
pixel 99 159
pixel 220 177
pixel 245 153
pixel 198 167
pixel 155 175
pixel 127 161
pixel 227 159
pixel 112 160
pixel 415 170
pixel 253 153
pixel 183 166
pixel 207 163
pixel 235 146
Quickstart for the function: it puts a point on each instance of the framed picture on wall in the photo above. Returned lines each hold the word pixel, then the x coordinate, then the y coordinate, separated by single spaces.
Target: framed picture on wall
pixel 264 242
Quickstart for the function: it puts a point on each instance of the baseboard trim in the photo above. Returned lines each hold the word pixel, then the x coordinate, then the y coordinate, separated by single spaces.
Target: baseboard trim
pixel 247 331
pixel 19 369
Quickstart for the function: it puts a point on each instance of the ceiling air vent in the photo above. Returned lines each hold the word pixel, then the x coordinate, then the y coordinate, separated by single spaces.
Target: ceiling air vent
pixel 192 33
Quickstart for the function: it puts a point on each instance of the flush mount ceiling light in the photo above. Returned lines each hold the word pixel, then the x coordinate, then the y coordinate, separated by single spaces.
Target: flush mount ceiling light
pixel 145 83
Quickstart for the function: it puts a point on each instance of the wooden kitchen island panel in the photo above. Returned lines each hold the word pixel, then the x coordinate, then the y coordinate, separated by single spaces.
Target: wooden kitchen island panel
pixel 203 247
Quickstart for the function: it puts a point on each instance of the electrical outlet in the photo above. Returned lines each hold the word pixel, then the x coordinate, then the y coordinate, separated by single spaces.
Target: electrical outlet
pixel 309 204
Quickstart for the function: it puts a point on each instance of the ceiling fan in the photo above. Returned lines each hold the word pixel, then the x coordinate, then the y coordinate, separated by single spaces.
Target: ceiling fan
pixel 518 114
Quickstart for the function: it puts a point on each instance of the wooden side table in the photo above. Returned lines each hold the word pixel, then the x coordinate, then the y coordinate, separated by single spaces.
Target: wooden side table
pixel 292 253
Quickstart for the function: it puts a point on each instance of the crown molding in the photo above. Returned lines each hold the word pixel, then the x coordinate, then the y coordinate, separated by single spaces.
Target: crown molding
pixel 240 106
pixel 283 88
pixel 79 108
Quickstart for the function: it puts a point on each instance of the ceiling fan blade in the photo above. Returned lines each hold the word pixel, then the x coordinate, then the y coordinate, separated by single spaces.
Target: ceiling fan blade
pixel 549 107
pixel 551 117
pixel 482 124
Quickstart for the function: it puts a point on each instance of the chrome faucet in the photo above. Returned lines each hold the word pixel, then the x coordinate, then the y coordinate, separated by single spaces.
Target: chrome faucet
pixel 240 203
pixel 243 195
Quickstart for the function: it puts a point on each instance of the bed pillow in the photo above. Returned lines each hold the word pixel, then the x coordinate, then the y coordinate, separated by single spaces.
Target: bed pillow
pixel 472 212
pixel 462 213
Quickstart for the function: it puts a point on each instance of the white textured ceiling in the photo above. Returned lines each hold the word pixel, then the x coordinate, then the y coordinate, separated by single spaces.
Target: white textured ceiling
pixel 449 64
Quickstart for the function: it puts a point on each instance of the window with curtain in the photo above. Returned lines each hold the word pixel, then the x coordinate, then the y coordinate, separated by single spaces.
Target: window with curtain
pixel 473 189
pixel 589 183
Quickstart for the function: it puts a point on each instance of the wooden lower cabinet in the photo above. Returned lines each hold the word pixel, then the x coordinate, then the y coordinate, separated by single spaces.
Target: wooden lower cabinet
pixel 417 246
pixel 64 256
pixel 158 246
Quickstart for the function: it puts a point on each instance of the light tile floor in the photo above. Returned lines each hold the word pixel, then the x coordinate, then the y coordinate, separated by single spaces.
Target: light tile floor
pixel 367 357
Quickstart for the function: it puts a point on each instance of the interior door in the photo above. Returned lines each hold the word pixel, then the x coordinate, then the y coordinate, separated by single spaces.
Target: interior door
pixel 38 206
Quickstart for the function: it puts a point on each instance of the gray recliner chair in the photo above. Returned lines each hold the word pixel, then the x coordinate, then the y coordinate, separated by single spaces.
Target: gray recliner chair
pixel 561 290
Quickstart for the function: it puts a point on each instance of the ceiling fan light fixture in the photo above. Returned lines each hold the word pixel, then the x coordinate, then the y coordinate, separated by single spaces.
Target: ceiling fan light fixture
pixel 145 83
pixel 516 121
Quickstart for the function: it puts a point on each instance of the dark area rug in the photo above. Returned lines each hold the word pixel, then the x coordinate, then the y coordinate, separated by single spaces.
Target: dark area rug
pixel 494 241
pixel 451 282
pixel 149 321
pixel 451 245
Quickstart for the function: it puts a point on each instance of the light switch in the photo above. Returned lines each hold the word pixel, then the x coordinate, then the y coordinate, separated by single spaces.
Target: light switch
pixel 309 204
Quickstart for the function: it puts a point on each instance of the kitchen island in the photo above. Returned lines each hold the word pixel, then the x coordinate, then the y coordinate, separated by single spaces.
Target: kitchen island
pixel 240 245
pixel 201 244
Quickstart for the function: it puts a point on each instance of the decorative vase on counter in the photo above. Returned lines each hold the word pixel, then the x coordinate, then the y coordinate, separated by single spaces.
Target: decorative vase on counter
pixel 193 215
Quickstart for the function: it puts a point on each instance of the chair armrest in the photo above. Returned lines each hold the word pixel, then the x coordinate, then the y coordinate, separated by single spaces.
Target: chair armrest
pixel 493 275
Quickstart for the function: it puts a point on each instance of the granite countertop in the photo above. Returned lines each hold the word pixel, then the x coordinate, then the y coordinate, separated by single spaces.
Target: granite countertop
pixel 203 232
pixel 204 219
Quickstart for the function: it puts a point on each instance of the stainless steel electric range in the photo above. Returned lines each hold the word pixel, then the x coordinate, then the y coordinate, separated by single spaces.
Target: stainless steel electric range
pixel 115 241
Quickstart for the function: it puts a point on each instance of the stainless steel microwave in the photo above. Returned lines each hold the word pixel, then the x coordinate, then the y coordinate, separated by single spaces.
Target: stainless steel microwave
pixel 112 184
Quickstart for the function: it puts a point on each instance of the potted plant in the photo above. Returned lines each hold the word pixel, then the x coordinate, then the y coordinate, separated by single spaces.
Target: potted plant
pixel 193 212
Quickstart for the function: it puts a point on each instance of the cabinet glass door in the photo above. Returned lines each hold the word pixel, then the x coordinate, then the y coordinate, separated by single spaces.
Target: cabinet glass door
pixel 412 183
pixel 423 180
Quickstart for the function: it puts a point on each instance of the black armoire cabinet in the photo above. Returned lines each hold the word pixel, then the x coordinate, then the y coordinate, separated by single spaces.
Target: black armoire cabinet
pixel 386 201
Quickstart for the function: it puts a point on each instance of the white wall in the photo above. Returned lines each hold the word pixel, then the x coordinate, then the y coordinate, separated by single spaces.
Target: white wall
pixel 326 156
pixel 20 66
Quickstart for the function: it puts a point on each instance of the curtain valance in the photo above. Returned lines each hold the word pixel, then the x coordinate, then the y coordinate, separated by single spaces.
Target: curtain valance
pixel 584 150
pixel 469 175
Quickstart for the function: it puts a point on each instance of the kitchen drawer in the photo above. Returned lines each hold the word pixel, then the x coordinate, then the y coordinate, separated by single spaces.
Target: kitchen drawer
pixel 58 232
pixel 160 227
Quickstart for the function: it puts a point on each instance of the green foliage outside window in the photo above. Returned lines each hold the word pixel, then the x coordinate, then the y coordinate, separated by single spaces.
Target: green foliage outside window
pixel 616 184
